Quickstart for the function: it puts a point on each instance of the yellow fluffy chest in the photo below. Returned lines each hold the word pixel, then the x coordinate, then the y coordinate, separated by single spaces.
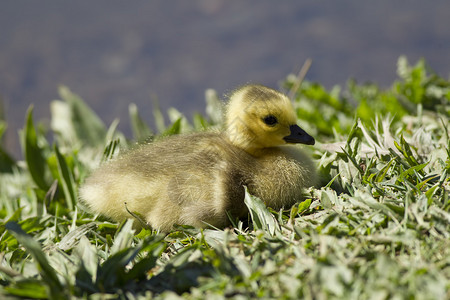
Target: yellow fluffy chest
pixel 280 176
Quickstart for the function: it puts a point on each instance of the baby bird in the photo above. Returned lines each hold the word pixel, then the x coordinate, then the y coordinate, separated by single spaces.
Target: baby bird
pixel 195 179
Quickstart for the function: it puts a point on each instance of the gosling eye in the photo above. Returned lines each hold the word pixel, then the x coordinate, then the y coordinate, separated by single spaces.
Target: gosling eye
pixel 270 120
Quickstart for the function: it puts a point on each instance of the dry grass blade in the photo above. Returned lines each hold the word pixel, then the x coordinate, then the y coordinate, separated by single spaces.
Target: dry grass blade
pixel 300 77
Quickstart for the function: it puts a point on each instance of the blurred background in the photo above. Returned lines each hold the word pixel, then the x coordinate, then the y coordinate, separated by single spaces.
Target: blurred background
pixel 113 53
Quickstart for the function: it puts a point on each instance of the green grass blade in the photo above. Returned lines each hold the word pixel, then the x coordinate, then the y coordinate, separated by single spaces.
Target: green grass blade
pixel 47 272
pixel 88 126
pixel 382 174
pixel 6 161
pixel 110 150
pixel 200 123
pixel 140 129
pixel 261 216
pixel 67 180
pixel 303 206
pixel 158 117
pixel 174 129
pixel 28 288
pixel 214 107
pixel 409 172
pixel 153 246
pixel 34 155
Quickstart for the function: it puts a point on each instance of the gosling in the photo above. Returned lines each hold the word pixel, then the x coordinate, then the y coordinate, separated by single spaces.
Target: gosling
pixel 195 179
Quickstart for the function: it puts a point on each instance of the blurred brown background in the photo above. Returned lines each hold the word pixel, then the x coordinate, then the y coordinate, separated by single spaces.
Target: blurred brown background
pixel 113 53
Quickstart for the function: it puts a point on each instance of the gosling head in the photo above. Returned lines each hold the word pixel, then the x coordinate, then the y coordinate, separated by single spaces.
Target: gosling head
pixel 259 117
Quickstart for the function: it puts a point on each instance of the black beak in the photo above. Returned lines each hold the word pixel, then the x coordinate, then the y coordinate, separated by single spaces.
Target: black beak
pixel 298 135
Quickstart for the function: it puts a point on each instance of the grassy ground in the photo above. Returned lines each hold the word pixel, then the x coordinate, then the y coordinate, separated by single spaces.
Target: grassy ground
pixel 378 228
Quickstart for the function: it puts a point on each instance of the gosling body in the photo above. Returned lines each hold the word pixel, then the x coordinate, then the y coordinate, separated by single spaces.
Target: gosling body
pixel 195 179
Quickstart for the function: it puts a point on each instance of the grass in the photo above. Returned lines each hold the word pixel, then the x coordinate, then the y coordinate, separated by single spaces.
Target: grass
pixel 378 228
